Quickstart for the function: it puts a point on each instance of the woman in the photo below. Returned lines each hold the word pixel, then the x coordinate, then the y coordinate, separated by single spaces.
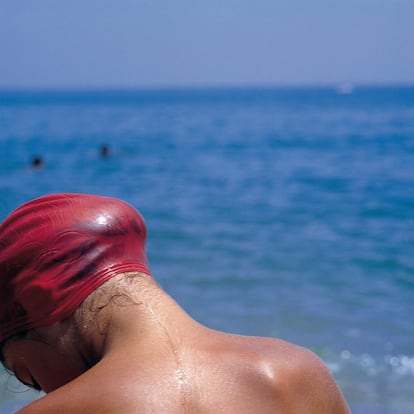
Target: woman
pixel 82 319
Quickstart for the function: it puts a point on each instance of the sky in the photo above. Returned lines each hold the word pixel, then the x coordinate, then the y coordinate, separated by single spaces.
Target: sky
pixel 89 44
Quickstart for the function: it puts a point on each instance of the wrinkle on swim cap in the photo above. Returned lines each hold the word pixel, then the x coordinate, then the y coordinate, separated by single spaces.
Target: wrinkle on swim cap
pixel 57 249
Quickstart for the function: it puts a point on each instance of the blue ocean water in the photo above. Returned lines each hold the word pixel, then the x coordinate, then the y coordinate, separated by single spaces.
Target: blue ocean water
pixel 275 212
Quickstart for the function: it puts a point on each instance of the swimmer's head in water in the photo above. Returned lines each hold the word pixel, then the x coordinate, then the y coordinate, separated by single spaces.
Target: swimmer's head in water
pixel 57 249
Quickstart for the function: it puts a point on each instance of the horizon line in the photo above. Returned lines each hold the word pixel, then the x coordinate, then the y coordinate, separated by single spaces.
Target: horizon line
pixel 202 87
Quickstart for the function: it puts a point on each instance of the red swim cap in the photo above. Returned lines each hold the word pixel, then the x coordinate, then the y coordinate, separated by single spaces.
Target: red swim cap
pixel 57 249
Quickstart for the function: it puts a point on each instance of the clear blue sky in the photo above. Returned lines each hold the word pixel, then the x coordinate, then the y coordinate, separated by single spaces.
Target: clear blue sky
pixel 156 43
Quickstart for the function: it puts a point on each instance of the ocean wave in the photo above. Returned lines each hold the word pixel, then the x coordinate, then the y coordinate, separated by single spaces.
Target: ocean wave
pixel 384 381
pixel 394 365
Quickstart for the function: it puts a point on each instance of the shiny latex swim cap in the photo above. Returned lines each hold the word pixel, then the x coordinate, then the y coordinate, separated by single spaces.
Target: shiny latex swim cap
pixel 57 249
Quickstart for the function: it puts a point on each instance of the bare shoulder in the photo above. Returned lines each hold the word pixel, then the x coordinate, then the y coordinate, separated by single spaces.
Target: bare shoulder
pixel 51 404
pixel 36 407
pixel 75 397
pixel 70 403
pixel 299 378
pixel 237 374
pixel 278 376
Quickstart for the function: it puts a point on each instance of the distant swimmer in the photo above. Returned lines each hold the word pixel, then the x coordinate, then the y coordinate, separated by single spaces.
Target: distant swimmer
pixel 104 151
pixel 37 162
pixel 83 319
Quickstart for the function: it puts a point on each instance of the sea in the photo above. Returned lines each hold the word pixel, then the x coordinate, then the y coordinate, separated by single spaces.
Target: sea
pixel 279 212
